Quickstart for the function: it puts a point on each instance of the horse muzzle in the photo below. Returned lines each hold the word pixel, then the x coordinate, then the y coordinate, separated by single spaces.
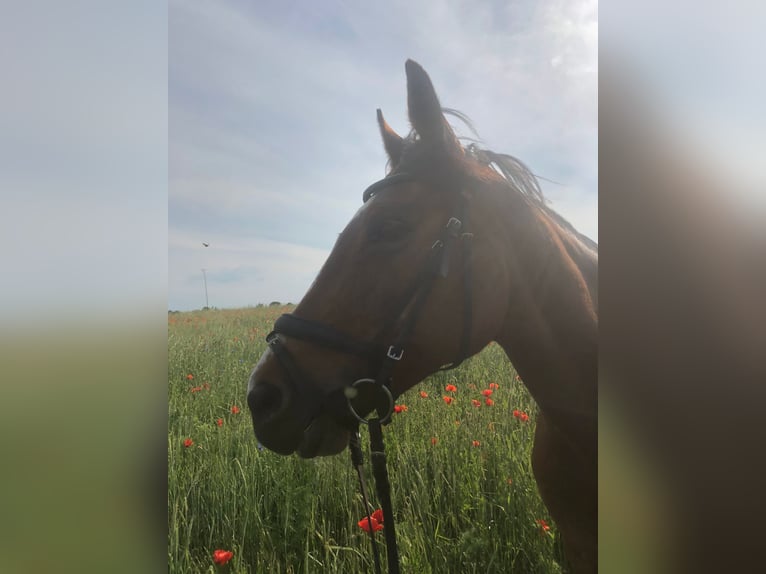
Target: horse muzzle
pixel 295 415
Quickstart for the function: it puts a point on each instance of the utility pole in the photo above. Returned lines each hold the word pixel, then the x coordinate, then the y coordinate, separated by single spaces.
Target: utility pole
pixel 204 278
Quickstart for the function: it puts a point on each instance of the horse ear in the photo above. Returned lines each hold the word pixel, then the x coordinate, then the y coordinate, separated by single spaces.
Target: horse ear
pixel 392 141
pixel 424 108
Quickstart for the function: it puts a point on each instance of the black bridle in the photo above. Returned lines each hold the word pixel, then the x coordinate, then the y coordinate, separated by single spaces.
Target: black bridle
pixel 341 402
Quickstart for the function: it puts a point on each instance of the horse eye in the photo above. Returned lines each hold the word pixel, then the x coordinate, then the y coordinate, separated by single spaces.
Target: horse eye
pixel 388 230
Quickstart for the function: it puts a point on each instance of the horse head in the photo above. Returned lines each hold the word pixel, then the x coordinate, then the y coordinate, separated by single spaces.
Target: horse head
pixel 397 298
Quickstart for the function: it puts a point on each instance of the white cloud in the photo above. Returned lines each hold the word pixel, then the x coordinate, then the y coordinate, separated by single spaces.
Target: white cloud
pixel 240 270
pixel 272 110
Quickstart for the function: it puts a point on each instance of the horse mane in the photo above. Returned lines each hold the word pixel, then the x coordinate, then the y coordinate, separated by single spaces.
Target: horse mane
pixel 520 178
pixel 517 177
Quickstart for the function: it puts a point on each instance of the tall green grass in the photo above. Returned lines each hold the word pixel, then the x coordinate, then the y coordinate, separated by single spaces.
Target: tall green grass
pixel 459 508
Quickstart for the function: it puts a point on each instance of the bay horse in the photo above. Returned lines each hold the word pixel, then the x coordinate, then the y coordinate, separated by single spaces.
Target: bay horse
pixel 509 269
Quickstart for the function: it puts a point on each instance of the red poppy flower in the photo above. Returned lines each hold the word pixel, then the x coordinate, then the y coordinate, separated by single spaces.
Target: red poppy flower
pixel 234 410
pixel 543 525
pixel 489 402
pixel 494 386
pixel 423 394
pixel 195 389
pixel 450 388
pixel 188 442
pixel 486 392
pixel 475 403
pixel 524 417
pixel 219 422
pixel 434 440
pixel 364 524
pixel 222 556
pixel 190 377
pixel 400 408
pixel 476 443
pixel 378 515
pixel 447 400
pixel 516 413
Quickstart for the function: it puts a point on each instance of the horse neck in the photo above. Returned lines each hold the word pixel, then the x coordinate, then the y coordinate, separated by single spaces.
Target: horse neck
pixel 551 324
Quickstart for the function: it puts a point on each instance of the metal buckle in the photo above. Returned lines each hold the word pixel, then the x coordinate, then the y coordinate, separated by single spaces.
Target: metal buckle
pixel 272 337
pixel 392 354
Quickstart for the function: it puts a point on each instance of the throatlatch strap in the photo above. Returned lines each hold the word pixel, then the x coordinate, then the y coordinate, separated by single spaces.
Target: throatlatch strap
pixel 467 250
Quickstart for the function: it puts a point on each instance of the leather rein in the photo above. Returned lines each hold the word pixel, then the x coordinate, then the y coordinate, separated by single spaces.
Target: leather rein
pixel 341 402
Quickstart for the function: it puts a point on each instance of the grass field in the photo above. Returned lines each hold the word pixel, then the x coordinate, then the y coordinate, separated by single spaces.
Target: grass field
pixel 460 507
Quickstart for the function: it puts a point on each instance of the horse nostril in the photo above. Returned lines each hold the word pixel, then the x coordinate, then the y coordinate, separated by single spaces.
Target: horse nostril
pixel 264 400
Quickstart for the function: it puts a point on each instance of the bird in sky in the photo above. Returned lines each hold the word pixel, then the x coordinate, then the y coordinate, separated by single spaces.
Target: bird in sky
pixel 205 244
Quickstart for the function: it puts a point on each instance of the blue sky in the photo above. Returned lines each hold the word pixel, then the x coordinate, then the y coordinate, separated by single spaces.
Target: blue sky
pixel 132 133
pixel 272 133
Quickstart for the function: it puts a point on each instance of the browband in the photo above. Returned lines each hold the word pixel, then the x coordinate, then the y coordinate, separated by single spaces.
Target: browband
pixel 385 182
